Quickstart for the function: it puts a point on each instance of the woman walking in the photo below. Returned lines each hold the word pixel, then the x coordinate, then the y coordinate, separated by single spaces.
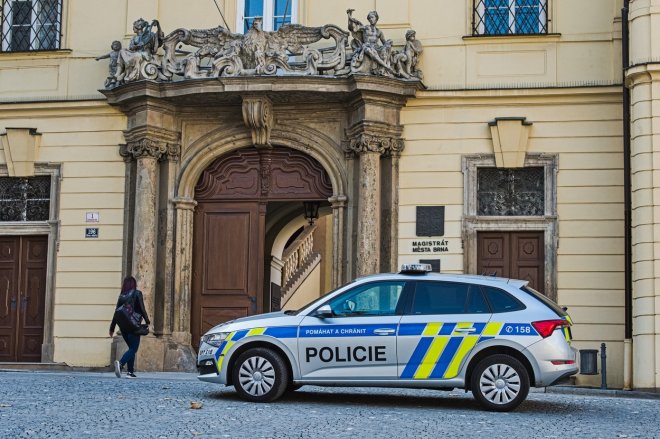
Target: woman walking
pixel 129 294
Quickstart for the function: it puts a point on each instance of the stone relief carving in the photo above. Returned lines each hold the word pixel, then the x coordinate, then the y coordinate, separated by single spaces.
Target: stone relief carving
pixel 371 143
pixel 258 116
pixel 291 50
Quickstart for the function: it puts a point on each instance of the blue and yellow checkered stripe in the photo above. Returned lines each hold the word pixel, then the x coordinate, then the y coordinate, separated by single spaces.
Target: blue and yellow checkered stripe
pixel 441 349
pixel 233 337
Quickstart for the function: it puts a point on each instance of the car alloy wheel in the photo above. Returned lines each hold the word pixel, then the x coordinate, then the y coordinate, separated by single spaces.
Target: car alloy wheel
pixel 500 383
pixel 256 376
pixel 260 375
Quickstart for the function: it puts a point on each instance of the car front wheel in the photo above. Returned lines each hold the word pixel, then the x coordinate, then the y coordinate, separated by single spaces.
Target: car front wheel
pixel 500 383
pixel 260 375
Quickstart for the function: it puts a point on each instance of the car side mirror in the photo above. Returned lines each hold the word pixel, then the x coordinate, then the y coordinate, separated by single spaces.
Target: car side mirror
pixel 324 312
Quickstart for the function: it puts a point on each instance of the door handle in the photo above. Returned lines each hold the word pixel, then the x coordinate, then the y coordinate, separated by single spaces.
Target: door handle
pixel 384 331
pixel 465 330
pixel 13 303
pixel 24 302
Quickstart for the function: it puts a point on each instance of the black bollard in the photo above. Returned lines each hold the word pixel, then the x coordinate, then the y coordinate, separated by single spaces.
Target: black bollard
pixel 603 366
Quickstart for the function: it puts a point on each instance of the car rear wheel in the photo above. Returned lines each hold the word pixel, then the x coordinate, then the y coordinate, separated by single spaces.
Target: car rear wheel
pixel 500 383
pixel 260 375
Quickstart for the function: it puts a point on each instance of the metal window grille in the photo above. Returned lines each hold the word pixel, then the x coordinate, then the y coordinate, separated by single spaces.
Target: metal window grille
pixel 511 192
pixel 25 199
pixel 31 25
pixel 510 17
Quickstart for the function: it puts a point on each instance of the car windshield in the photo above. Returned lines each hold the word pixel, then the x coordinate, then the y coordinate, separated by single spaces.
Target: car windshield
pixel 293 312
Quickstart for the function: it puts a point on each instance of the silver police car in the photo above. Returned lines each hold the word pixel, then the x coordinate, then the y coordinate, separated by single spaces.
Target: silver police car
pixel 493 336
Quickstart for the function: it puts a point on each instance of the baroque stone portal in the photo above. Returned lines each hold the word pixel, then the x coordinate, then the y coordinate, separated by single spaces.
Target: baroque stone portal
pixel 291 50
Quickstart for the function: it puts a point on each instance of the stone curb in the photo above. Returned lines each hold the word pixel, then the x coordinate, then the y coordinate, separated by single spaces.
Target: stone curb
pixel 591 391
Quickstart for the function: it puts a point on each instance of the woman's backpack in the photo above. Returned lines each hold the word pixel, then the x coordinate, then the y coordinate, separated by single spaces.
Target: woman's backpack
pixel 126 317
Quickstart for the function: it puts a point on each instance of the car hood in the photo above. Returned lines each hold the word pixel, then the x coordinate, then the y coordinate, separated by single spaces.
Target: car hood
pixel 278 318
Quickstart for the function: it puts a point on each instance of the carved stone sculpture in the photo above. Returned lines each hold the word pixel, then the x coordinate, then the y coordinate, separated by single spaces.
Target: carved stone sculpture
pixel 371 51
pixel 291 50
pixel 137 61
pixel 113 55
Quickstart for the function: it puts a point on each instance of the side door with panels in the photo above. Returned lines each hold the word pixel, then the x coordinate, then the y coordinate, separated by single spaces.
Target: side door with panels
pixel 359 340
pixel 442 323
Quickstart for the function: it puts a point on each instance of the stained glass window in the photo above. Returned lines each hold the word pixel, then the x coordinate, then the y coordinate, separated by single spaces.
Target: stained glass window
pixel 511 192
pixel 25 198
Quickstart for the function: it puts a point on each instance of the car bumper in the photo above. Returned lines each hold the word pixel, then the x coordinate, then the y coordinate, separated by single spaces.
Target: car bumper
pixel 553 348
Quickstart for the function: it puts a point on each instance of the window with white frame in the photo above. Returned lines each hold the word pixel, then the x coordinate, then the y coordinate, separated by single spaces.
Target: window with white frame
pixel 275 13
pixel 510 17
pixel 30 25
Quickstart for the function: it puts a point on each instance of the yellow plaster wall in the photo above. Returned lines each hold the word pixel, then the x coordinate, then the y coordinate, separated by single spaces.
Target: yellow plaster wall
pixel 84 138
pixel 583 127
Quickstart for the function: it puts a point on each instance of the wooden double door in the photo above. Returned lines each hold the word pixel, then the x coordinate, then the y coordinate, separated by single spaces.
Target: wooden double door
pixel 22 297
pixel 517 255
pixel 229 230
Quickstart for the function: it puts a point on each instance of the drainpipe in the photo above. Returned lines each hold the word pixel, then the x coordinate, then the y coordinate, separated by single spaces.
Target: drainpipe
pixel 627 203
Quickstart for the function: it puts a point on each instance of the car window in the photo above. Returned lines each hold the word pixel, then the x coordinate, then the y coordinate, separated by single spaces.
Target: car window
pixel 440 298
pixel 373 299
pixel 501 301
pixel 476 302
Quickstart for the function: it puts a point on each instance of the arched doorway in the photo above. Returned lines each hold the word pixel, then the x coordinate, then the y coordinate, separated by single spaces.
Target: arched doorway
pixel 233 197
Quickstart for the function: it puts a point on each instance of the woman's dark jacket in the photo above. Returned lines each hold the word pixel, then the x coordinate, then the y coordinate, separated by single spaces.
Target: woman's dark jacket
pixel 138 306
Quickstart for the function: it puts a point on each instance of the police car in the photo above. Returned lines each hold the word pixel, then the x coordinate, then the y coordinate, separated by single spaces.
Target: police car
pixel 493 336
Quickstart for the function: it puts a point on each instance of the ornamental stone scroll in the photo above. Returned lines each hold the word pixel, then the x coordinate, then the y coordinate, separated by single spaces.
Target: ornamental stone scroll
pixel 384 145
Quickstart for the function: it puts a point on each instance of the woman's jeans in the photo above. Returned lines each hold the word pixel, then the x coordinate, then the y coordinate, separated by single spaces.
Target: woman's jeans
pixel 133 342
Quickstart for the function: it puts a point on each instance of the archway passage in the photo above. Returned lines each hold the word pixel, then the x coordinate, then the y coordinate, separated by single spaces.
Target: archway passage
pixel 229 227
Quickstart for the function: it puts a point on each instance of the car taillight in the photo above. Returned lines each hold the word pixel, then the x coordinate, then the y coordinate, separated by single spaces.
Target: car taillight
pixel 546 327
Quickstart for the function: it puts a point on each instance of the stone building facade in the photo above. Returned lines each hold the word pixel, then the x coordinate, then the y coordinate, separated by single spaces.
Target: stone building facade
pixel 189 167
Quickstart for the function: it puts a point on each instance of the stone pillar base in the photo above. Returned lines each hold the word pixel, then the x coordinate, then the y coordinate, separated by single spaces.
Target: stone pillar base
pixel 159 354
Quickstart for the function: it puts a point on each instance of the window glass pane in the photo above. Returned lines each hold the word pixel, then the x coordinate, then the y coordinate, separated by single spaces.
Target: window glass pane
pixel 46 25
pixel 279 13
pixel 20 26
pixel 501 301
pixel 496 17
pixel 377 299
pixel 440 298
pixel 511 192
pixel 527 16
pixel 253 8
pixel 476 302
pixel 25 199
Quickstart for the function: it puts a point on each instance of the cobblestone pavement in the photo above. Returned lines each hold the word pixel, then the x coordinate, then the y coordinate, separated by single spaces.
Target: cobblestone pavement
pixel 98 405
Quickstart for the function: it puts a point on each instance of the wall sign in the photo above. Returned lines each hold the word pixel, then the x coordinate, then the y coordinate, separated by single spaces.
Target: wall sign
pixel 431 246
pixel 91 217
pixel 430 221
pixel 91 232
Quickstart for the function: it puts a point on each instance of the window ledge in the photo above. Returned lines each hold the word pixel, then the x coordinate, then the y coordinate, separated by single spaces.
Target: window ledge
pixel 518 38
pixel 59 53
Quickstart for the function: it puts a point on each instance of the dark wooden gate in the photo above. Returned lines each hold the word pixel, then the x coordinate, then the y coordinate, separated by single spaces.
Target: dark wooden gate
pixel 22 297
pixel 229 228
pixel 518 255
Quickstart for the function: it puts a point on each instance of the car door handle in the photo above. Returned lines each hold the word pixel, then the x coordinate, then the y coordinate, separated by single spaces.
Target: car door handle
pixel 384 331
pixel 465 330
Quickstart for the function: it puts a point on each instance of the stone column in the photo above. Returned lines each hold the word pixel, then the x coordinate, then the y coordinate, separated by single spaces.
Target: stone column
pixel 643 80
pixel 338 208
pixel 185 209
pixel 147 152
pixel 369 148
pixel 390 207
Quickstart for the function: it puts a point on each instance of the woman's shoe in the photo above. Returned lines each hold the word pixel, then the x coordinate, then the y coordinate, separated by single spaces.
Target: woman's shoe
pixel 117 369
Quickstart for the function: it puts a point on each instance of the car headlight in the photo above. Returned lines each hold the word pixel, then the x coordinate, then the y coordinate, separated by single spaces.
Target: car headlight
pixel 215 339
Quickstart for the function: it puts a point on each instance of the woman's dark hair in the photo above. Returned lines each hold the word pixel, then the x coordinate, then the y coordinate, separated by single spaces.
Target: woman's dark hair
pixel 129 284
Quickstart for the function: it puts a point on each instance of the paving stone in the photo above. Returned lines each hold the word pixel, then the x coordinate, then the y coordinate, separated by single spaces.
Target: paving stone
pixel 98 405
